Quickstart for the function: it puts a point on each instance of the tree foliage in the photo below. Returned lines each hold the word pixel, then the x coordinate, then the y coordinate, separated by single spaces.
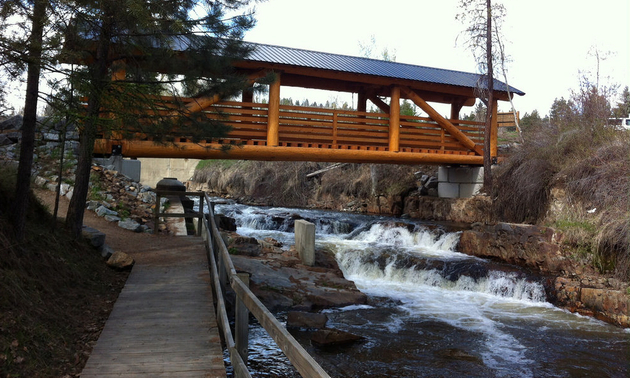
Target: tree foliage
pixel 151 48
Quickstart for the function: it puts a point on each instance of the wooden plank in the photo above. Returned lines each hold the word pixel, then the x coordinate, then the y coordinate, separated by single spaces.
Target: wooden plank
pixel 163 322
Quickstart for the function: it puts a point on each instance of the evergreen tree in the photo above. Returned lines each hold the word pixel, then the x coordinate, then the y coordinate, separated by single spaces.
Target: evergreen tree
pixel 147 49
pixel 622 110
pixel 23 48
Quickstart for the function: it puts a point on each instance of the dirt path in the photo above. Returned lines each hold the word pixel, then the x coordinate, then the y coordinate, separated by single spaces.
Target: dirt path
pixel 143 247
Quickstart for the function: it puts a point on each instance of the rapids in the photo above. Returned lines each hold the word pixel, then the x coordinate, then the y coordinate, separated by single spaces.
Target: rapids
pixel 432 310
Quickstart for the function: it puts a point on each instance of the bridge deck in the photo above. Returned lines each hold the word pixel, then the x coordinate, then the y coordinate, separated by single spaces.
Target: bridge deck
pixel 163 323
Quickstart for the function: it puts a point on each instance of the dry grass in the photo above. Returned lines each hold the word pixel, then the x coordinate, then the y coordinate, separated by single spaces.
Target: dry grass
pixel 590 168
pixel 286 183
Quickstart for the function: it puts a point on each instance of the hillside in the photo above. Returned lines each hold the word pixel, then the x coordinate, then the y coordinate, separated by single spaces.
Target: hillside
pixel 56 294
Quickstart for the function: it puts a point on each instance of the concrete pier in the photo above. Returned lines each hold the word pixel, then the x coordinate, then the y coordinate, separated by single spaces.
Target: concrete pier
pixel 459 182
pixel 305 241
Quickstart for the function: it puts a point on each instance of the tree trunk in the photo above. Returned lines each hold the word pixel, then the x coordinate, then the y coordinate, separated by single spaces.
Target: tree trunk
pixel 487 158
pixel 99 82
pixel 23 184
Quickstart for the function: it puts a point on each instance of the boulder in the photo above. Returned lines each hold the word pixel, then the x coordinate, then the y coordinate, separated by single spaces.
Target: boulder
pixel 120 261
pixel 521 244
pixel 129 224
pixel 112 218
pixel 93 236
pixel 225 223
pixel 328 337
pixel 101 211
pixel 107 251
pixel 12 123
pixel 298 319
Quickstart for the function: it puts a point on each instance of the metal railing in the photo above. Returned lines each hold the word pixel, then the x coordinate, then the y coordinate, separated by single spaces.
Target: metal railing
pixel 223 272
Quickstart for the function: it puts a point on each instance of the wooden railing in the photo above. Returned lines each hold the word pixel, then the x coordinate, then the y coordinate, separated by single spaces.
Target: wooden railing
pixel 165 193
pixel 330 128
pixel 223 271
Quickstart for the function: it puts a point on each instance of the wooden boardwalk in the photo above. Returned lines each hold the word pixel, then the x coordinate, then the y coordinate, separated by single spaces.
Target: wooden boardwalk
pixel 163 323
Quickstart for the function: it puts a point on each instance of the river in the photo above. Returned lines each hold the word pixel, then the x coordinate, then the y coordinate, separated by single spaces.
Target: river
pixel 432 311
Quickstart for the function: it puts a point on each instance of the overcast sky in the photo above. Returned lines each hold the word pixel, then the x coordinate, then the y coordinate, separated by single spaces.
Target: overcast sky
pixel 548 41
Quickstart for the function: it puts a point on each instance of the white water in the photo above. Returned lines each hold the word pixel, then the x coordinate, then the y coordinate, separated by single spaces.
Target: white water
pixel 372 253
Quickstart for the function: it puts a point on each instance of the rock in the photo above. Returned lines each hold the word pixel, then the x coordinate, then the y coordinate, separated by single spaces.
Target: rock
pixel 147 197
pixel 93 236
pixel 12 123
pixel 431 183
pixel 456 354
pixel 107 251
pixel 4 140
pixel 330 297
pixel 327 337
pixel 63 189
pixel 519 244
pixel 112 218
pixel 102 211
pixel 40 181
pixel 225 223
pixel 120 261
pixel 129 224
pixel 245 246
pixel 92 205
pixel 298 319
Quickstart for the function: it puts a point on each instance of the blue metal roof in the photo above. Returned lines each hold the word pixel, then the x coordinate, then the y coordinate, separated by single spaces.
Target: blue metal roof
pixel 366 66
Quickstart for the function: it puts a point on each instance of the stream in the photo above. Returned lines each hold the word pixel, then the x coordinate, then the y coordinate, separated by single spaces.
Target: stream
pixel 432 311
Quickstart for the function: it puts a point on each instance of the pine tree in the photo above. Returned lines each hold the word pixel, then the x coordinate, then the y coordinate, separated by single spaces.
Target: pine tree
pixel 20 53
pixel 150 48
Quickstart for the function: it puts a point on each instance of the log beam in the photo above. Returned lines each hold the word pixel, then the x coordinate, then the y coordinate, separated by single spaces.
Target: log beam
pixel 202 103
pixel 135 148
pixel 443 122
pixel 379 103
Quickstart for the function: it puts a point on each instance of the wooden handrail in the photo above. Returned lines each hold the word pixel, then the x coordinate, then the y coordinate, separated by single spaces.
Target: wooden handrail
pixel 295 124
pixel 217 251
pixel 163 193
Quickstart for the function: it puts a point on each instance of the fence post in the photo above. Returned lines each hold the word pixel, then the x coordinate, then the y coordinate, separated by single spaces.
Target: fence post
pixel 241 322
pixel 156 218
pixel 200 221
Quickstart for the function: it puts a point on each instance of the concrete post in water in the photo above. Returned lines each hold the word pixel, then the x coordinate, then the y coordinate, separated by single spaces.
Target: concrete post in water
pixel 305 241
pixel 241 322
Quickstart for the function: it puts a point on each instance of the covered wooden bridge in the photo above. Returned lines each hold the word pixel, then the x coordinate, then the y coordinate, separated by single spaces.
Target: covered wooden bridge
pixel 271 131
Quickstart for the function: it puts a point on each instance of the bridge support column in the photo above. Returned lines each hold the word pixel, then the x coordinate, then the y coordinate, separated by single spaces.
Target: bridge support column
pixel 459 182
pixel 128 167
pixel 394 120
pixel 273 115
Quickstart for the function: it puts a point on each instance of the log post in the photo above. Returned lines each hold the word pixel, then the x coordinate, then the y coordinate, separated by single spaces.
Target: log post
pixel 201 215
pixel 273 115
pixel 456 107
pixel 241 322
pixel 156 213
pixel 394 120
pixel 494 149
pixel 362 101
pixel 248 94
